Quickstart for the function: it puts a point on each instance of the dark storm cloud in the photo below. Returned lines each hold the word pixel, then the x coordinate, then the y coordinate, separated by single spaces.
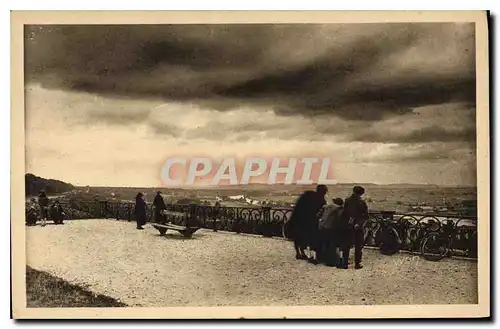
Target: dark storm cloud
pixel 422 135
pixel 434 151
pixel 118 118
pixel 361 73
pixel 322 86
pixel 140 59
pixel 450 122
pixel 165 129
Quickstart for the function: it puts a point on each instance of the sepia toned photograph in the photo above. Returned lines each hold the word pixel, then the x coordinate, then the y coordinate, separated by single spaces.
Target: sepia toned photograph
pixel 246 165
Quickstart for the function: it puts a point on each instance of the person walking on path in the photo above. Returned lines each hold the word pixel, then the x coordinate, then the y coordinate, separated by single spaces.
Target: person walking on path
pixel 140 210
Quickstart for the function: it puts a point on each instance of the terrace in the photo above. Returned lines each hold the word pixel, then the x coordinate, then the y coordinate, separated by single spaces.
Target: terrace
pixel 241 257
pixel 228 269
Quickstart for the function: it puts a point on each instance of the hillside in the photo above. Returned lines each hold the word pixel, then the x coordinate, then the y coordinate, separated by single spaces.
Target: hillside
pixel 34 184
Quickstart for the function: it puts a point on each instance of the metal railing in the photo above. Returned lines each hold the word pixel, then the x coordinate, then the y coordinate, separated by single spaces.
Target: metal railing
pixel 272 222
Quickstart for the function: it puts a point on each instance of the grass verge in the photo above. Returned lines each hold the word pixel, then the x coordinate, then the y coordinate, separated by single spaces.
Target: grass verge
pixel 45 290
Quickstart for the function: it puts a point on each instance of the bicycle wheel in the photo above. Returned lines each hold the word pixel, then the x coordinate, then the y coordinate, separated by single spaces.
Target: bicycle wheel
pixel 434 247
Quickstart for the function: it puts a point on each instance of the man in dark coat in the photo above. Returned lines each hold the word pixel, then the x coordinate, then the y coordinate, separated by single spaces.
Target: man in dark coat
pixel 356 213
pixel 159 205
pixel 57 212
pixel 303 224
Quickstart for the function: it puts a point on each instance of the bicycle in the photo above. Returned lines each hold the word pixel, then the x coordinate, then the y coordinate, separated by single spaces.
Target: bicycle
pixel 438 244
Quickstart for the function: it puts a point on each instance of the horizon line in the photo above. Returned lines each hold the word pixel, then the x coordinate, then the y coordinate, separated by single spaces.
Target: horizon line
pixel 259 184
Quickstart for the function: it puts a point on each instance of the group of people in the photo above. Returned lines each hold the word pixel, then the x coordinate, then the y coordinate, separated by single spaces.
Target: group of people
pixel 42 209
pixel 140 209
pixel 328 232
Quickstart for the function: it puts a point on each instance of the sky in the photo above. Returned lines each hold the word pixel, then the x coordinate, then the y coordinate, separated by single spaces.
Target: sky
pixel 387 103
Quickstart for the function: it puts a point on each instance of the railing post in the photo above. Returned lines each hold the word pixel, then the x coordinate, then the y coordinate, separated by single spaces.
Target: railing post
pixel 237 221
pixel 104 209
pixel 215 214
pixel 129 213
pixel 151 218
pixel 192 214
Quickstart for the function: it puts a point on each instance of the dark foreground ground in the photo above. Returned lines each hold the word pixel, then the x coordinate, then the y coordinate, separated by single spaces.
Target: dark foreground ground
pixel 141 268
pixel 45 290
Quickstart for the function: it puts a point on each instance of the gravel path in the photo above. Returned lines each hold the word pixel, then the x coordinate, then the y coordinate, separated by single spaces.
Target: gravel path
pixel 141 268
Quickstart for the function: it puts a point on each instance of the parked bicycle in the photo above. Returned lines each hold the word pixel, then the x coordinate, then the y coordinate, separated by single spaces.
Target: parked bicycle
pixel 438 244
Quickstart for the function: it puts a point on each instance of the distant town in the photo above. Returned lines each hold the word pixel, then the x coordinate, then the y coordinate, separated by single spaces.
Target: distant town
pixel 420 199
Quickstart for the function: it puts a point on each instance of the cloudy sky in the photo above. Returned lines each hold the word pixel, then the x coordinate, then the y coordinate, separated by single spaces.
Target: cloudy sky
pixel 388 103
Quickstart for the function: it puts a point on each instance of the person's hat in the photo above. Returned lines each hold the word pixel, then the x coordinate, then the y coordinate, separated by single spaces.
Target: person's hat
pixel 359 190
pixel 338 201
pixel 321 188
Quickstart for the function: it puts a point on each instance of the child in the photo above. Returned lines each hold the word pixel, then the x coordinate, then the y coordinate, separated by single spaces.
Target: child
pixel 328 225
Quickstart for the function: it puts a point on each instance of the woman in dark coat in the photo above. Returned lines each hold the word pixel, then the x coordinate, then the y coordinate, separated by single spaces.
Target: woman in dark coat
pixel 303 224
pixel 296 227
pixel 140 211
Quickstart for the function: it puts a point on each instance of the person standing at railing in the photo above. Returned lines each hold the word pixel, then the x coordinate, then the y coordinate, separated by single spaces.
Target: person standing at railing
pixel 356 212
pixel 159 207
pixel 57 212
pixel 328 226
pixel 313 239
pixel 43 202
pixel 140 210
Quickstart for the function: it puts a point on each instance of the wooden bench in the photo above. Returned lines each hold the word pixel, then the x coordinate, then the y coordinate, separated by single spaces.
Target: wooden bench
pixel 187 232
